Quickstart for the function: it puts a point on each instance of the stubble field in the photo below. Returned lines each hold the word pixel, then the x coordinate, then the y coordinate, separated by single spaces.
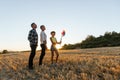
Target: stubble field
pixel 80 64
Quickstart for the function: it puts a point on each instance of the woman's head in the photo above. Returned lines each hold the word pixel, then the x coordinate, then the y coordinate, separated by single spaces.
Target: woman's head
pixel 42 27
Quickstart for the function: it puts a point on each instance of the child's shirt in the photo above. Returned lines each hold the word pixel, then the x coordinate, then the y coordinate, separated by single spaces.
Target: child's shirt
pixel 54 40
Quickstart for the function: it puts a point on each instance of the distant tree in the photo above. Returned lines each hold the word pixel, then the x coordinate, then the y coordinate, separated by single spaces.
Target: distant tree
pixel 90 37
pixel 109 39
pixel 68 46
pixel 5 51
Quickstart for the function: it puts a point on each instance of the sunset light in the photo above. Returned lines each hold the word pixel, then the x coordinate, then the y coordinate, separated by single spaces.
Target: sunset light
pixel 60 40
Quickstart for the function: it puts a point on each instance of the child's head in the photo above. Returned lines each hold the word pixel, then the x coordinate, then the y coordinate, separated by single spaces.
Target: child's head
pixel 42 27
pixel 53 33
pixel 33 25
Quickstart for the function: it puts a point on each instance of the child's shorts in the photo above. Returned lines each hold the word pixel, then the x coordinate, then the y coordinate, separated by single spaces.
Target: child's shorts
pixel 53 48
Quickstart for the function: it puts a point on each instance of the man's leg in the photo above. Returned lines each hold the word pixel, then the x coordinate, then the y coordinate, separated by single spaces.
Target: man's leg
pixel 42 54
pixel 32 55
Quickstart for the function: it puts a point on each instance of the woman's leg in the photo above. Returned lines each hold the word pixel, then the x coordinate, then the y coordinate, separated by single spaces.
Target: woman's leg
pixel 42 53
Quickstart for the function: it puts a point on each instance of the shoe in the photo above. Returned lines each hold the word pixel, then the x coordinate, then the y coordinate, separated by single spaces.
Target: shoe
pixel 31 68
pixel 53 65
pixel 40 64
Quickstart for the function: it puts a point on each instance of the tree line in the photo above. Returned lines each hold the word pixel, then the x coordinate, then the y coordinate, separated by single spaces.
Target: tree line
pixel 109 39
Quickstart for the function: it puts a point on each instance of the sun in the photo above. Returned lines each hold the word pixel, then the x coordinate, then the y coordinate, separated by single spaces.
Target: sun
pixel 58 46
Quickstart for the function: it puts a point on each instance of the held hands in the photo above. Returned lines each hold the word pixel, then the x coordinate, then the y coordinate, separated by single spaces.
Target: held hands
pixel 60 42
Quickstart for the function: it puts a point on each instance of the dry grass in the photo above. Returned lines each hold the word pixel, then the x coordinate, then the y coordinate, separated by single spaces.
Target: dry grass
pixel 82 64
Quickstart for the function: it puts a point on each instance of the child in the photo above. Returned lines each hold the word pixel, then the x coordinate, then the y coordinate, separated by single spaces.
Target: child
pixel 53 46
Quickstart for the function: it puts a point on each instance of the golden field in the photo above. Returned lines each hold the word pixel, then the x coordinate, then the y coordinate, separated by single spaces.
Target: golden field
pixel 80 64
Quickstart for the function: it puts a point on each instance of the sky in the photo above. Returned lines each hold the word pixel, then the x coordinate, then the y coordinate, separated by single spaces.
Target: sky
pixel 79 18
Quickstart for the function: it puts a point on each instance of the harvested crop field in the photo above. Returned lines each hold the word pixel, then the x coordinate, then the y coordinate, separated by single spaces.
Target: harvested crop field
pixel 80 64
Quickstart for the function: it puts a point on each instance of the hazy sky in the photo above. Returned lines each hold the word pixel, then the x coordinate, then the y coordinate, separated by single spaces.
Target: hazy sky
pixel 79 18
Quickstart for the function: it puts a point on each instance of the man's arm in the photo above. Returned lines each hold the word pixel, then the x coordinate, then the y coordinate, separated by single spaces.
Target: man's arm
pixel 30 36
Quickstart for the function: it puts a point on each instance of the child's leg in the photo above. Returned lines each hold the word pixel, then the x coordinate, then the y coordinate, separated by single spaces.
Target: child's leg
pixel 52 55
pixel 57 55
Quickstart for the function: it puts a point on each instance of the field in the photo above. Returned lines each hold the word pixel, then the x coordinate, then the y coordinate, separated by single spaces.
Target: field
pixel 80 64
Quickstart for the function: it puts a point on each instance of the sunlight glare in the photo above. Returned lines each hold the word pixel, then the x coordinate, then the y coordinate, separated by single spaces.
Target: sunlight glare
pixel 58 46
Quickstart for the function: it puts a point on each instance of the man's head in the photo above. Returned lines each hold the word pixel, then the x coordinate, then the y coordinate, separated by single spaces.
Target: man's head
pixel 33 25
pixel 42 27
pixel 53 33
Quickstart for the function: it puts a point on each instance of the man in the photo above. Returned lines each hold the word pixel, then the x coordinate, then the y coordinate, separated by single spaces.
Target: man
pixel 43 39
pixel 33 39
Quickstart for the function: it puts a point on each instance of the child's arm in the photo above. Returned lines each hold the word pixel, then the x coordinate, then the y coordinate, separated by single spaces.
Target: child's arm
pixel 59 42
pixel 54 42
